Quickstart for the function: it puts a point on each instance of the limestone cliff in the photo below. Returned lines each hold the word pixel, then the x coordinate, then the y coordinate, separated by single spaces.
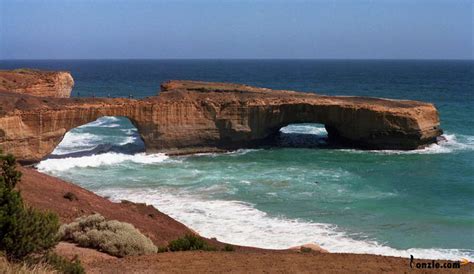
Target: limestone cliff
pixel 189 117
pixel 37 83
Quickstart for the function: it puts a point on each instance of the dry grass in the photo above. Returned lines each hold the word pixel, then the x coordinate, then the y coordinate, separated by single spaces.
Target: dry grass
pixel 113 237
pixel 21 268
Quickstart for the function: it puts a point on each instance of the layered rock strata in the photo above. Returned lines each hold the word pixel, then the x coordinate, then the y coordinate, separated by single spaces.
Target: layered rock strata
pixel 37 83
pixel 190 116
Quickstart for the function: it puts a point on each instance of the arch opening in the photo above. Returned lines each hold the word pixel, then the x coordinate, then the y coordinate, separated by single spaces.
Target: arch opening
pixel 106 134
pixel 302 135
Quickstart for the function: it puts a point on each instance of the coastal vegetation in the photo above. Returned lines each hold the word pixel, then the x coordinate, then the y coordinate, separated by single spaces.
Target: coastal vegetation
pixel 190 242
pixel 228 247
pixel 123 239
pixel 113 237
pixel 70 196
pixel 7 267
pixel 27 235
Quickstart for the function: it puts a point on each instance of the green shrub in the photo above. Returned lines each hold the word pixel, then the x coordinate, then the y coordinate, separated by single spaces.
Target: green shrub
pixel 31 232
pixel 70 196
pixel 113 237
pixel 162 249
pixel 63 265
pixel 23 231
pixel 189 242
pixel 304 249
pixel 9 176
pixel 228 247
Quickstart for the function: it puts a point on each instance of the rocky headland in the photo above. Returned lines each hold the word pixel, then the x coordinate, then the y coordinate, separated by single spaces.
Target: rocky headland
pixel 191 116
pixel 37 82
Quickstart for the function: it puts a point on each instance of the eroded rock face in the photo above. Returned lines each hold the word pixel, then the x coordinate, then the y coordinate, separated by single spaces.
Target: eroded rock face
pixel 190 117
pixel 246 116
pixel 37 83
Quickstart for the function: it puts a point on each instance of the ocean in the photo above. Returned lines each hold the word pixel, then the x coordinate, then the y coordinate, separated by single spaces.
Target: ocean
pixel 398 203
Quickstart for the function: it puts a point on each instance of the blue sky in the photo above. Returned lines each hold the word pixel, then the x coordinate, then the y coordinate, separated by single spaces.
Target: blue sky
pixel 101 29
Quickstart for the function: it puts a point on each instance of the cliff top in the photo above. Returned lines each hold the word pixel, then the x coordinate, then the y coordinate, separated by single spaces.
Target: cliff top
pixel 37 82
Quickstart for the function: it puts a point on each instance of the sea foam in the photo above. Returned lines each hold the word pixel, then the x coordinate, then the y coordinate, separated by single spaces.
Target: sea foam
pixel 305 129
pixel 110 158
pixel 241 223
pixel 128 140
pixel 75 142
pixel 84 138
pixel 105 121
pixel 452 143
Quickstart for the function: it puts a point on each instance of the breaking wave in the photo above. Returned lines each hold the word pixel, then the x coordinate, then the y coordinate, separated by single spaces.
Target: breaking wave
pixel 106 121
pixel 84 138
pixel 452 143
pixel 241 223
pixel 109 158
pixel 75 142
pixel 313 129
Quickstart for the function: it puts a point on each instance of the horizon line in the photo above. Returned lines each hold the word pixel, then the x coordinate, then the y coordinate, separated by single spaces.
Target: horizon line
pixel 237 59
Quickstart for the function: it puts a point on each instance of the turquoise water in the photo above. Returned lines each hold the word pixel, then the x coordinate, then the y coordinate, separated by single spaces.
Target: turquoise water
pixel 381 202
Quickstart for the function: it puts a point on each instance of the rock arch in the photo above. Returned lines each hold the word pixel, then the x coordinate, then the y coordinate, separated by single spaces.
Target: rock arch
pixel 190 117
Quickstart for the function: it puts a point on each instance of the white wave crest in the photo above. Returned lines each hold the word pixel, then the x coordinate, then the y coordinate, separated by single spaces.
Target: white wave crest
pixel 237 152
pixel 129 131
pixel 110 158
pixel 128 140
pixel 452 143
pixel 101 122
pixel 110 125
pixel 305 129
pixel 74 142
pixel 240 223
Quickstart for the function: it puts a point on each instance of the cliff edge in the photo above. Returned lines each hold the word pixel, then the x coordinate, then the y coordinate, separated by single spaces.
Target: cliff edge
pixel 38 83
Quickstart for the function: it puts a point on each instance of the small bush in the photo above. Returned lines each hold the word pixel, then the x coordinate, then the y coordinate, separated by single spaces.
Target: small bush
pixel 228 247
pixel 70 196
pixel 63 265
pixel 304 249
pixel 162 249
pixel 9 176
pixel 30 232
pixel 113 237
pixel 189 242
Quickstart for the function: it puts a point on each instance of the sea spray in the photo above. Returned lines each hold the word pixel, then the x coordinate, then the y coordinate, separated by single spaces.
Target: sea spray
pixel 105 159
pixel 240 223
